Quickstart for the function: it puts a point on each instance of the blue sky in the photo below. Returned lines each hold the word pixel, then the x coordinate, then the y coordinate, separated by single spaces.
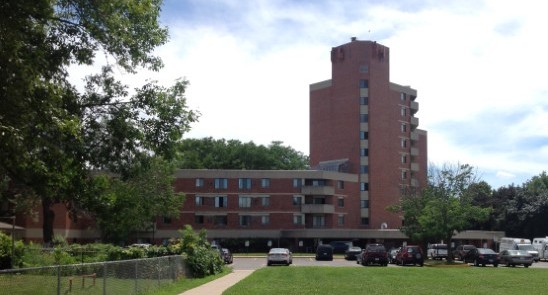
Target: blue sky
pixel 479 68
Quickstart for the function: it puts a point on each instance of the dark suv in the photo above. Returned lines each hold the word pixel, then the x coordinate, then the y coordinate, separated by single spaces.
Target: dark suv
pixel 374 254
pixel 410 255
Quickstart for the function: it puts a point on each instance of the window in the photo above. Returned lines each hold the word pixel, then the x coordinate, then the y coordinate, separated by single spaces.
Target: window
pixel 244 183
pixel 403 96
pixel 199 201
pixel 221 202
pixel 297 219
pixel 365 221
pixel 403 143
pixel 404 174
pixel 244 202
pixel 364 169
pixel 364 118
pixel 364 186
pixel 265 201
pixel 364 135
pixel 297 182
pixel 403 112
pixel 364 83
pixel 403 159
pixel 220 220
pixel 364 152
pixel 265 182
pixel 199 219
pixel 318 200
pixel 340 220
pixel 265 219
pixel 297 200
pixel 364 204
pixel 340 184
pixel 245 220
pixel 364 100
pixel 199 182
pixel 403 127
pixel 318 221
pixel 167 220
pixel 221 183
pixel 340 202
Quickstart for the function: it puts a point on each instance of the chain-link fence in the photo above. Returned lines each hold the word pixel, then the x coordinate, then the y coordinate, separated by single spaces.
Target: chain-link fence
pixel 138 276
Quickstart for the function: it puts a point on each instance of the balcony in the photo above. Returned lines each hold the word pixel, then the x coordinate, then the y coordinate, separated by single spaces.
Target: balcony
pixel 414 136
pixel 414 151
pixel 415 167
pixel 318 190
pixel 414 123
pixel 317 208
pixel 414 107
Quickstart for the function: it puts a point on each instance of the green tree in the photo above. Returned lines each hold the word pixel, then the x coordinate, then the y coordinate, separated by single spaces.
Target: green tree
pixel 124 207
pixel 522 211
pixel 208 153
pixel 53 136
pixel 445 206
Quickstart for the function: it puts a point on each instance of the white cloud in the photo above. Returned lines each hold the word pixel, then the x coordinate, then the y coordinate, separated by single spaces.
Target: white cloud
pixel 479 68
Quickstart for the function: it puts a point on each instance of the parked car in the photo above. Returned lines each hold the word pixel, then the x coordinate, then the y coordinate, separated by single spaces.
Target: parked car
pixel 324 252
pixel 279 256
pixel 410 255
pixel 483 256
pixel 227 256
pixel 374 254
pixel 437 251
pixel 352 253
pixel 461 252
pixel 339 247
pixel 516 257
pixel 392 255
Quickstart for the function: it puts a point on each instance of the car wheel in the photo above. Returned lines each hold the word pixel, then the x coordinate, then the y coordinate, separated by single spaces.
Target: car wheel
pixel 495 265
pixel 269 263
pixel 527 265
pixel 476 263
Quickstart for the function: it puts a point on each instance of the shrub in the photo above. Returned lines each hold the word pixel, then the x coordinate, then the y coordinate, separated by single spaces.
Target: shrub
pixel 204 262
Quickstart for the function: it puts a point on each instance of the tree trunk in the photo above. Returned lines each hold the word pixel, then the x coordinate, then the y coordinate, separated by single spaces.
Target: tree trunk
pixel 450 257
pixel 49 216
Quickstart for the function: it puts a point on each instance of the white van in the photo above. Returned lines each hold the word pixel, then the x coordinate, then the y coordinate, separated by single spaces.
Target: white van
pixel 541 245
pixel 518 244
pixel 437 251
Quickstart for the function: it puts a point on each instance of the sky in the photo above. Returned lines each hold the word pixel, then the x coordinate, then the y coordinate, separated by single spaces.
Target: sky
pixel 480 69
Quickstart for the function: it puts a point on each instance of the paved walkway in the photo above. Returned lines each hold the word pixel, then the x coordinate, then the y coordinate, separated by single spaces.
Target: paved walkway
pixel 218 286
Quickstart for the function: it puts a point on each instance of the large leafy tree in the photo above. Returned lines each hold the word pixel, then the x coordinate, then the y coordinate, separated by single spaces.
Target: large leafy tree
pixel 209 153
pixel 522 211
pixel 445 206
pixel 52 135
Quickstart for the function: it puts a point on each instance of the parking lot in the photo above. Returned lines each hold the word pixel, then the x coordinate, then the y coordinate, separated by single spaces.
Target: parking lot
pixel 252 263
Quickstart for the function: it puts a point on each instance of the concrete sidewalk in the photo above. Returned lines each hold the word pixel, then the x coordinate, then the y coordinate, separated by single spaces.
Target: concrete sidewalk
pixel 218 286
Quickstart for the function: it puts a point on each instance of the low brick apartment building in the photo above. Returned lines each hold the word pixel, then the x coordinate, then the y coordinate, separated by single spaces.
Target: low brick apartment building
pixel 365 151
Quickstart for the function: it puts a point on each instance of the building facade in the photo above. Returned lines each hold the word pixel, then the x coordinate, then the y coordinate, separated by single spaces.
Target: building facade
pixel 361 118
pixel 366 150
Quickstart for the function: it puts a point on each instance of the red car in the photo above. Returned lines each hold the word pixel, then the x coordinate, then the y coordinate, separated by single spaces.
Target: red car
pixel 410 255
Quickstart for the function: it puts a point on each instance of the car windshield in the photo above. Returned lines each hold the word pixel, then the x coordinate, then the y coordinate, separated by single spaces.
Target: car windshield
pixel 525 247
pixel 522 252
pixel 376 248
pixel 439 246
pixel 411 250
pixel 486 251
pixel 277 251
pixel 354 249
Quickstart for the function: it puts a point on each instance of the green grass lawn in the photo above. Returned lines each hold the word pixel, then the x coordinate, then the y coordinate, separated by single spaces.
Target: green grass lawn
pixel 389 280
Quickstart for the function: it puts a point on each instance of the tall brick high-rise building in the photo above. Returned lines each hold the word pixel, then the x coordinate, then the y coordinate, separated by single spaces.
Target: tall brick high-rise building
pixel 361 123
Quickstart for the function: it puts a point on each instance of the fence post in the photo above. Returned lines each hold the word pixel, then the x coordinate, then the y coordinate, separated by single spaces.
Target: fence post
pixel 136 269
pixel 58 280
pixel 104 278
